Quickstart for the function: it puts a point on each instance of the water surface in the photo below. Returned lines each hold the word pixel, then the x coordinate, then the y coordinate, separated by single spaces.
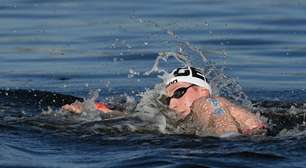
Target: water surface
pixel 74 47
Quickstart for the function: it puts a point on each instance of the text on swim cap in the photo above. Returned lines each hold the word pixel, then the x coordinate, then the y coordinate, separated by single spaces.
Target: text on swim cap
pixel 172 82
pixel 197 73
pixel 186 72
pixel 181 72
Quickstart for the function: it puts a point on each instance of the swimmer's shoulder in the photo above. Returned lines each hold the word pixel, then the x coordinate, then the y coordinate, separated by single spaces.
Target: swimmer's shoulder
pixel 223 101
pixel 211 101
pixel 208 105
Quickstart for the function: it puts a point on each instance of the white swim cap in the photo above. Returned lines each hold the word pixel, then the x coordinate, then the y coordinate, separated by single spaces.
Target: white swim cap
pixel 190 75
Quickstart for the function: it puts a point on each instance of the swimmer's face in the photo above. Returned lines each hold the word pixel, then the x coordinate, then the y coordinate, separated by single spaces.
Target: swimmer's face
pixel 182 105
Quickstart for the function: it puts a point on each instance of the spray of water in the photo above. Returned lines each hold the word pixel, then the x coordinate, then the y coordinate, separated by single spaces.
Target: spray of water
pixel 149 109
pixel 88 110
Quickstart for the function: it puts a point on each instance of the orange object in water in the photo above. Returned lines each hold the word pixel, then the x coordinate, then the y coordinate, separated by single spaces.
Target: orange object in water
pixel 103 107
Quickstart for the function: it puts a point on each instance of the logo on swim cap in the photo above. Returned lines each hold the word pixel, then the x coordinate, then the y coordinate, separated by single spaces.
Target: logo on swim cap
pixel 190 75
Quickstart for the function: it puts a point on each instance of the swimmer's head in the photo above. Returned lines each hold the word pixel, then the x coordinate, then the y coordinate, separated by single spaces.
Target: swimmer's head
pixel 190 75
pixel 183 88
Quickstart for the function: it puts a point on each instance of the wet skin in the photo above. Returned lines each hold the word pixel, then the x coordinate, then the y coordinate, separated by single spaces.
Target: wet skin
pixel 183 105
pixel 236 119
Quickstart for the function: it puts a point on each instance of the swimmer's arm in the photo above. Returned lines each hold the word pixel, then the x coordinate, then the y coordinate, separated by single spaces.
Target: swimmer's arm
pixel 104 108
pixel 78 108
pixel 249 122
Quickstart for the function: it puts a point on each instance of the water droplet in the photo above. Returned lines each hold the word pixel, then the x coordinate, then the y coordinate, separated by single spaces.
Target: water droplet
pixel 132 73
pixel 180 50
pixel 206 23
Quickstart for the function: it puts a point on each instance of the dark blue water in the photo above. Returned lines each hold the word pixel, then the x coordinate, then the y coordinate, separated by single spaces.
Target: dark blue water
pixel 74 47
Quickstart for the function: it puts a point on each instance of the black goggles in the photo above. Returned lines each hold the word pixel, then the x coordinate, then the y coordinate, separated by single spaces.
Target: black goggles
pixel 178 93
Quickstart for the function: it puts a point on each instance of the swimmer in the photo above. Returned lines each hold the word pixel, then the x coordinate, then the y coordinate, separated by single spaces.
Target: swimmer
pixel 189 94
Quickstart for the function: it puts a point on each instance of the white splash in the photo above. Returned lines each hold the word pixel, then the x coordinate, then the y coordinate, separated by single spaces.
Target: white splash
pixel 88 109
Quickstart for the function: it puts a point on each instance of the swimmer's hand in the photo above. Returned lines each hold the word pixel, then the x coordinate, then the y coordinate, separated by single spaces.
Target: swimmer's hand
pixel 74 107
pixel 78 108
